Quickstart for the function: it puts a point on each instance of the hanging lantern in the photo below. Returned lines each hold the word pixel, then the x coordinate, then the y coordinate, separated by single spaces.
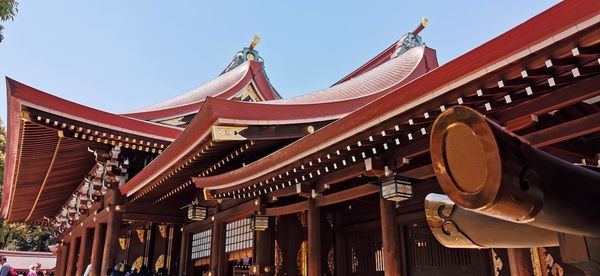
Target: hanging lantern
pixel 259 222
pixel 196 212
pixel 396 188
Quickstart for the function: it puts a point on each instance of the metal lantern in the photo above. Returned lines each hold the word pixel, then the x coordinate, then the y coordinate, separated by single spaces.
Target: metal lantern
pixel 259 222
pixel 196 212
pixel 396 188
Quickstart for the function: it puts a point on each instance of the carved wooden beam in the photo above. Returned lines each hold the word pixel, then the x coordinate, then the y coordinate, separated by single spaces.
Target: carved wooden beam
pixel 273 132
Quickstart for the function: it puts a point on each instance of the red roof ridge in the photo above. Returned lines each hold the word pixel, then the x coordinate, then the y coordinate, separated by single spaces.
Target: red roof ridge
pixel 226 85
pixel 38 99
pixel 377 79
pixel 218 110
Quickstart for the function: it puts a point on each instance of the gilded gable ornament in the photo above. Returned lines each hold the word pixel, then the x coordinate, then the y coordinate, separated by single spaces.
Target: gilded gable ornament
pixel 247 95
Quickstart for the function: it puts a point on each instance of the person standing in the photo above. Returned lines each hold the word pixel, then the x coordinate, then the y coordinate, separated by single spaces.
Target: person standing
pixel 5 268
pixel 38 269
pixel 32 271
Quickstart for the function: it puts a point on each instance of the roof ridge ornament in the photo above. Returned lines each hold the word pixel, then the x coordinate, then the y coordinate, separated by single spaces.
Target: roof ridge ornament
pixel 410 39
pixel 245 54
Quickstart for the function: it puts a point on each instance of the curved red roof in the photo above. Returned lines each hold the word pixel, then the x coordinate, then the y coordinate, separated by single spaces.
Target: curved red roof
pixel 345 98
pixel 538 30
pixel 378 79
pixel 21 95
pixel 225 86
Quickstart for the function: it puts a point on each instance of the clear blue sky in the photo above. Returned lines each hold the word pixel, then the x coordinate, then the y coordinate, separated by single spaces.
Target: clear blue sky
pixel 120 55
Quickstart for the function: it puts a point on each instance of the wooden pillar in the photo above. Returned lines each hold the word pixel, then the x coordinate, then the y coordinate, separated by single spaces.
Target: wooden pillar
pixel 72 259
pixel 214 249
pixel 111 242
pixel 581 252
pixel 97 249
pixel 314 238
pixel 184 254
pixel 61 260
pixel 341 267
pixel 389 236
pixel 174 259
pixel 84 250
pixel 519 260
pixel 223 269
pixel 264 248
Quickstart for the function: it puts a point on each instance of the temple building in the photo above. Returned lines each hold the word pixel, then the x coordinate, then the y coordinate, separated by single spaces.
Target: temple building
pixel 486 165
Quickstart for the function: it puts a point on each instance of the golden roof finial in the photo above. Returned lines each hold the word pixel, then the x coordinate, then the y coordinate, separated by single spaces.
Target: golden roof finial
pixel 255 41
pixel 422 25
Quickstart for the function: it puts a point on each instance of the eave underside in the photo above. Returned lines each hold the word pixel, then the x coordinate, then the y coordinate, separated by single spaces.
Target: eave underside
pixel 48 165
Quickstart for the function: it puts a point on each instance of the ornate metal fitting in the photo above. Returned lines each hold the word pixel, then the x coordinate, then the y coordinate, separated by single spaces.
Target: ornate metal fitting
pixel 246 54
pixel 438 210
pixel 407 42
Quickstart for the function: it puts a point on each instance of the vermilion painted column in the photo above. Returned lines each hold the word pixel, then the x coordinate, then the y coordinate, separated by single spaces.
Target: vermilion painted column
pixel 223 269
pixel 84 250
pixel 218 259
pixel 314 238
pixel 72 259
pixel 61 261
pixel 184 254
pixel 389 235
pixel 214 249
pixel 97 249
pixel 263 249
pixel 111 242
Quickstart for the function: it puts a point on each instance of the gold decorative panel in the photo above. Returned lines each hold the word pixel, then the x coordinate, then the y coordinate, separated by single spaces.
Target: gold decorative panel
pixel 138 263
pixel 302 259
pixel 162 229
pixel 278 258
pixel 123 242
pixel 331 260
pixel 497 263
pixel 160 262
pixel 141 235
